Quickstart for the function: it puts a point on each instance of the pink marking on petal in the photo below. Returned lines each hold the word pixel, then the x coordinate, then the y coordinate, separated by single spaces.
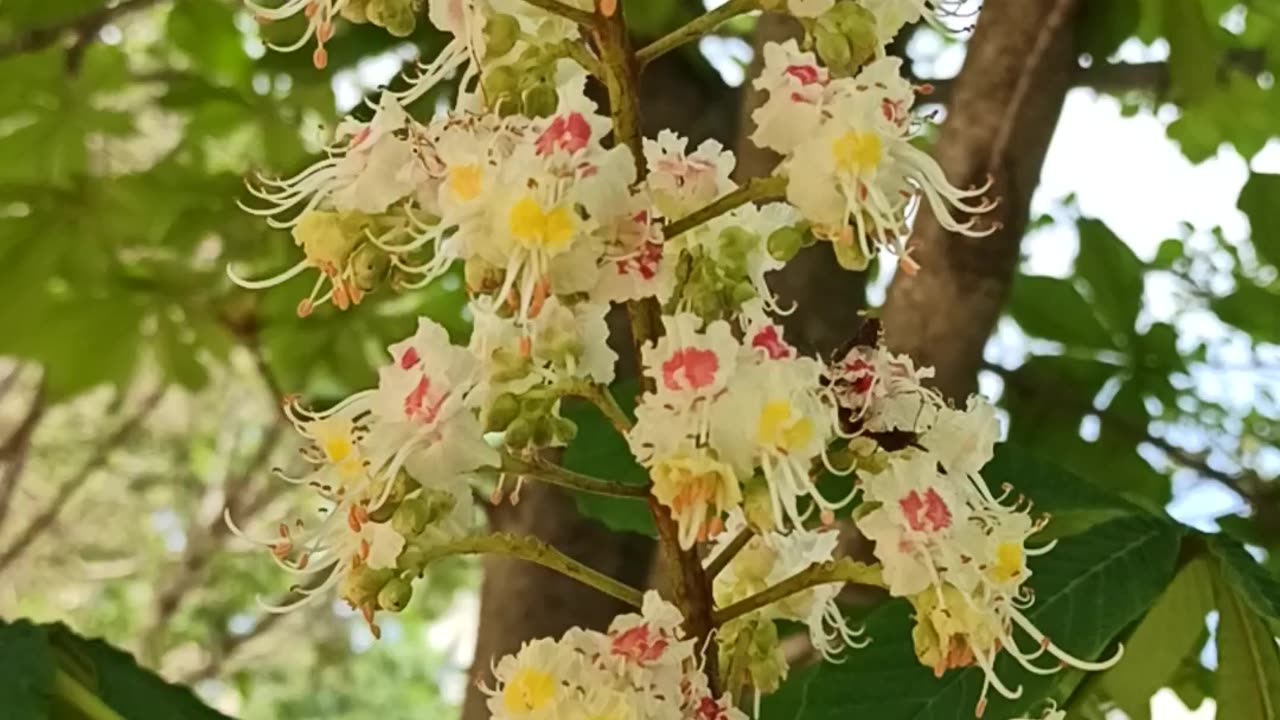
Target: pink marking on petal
pixel 409 359
pixel 638 645
pixel 927 514
pixel 806 74
pixel 569 133
pixel 690 369
pixel 770 340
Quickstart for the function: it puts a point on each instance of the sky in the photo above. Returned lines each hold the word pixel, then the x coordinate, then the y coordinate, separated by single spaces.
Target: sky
pixel 1122 170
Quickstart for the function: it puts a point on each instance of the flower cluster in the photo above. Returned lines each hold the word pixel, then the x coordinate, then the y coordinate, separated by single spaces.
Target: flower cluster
pixel 767 559
pixel 552 221
pixel 390 468
pixel 957 551
pixel 643 667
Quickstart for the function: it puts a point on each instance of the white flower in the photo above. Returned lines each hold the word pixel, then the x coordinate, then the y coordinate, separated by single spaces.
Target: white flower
pixel 773 417
pixel 681 182
pixel 796 84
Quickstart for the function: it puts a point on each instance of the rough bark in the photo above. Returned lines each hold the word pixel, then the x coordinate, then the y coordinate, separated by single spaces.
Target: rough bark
pixel 1002 111
pixel 519 601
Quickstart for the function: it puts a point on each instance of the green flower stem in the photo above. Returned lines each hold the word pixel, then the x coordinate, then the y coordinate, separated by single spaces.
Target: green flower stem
pixel 843 570
pixel 603 399
pixel 68 689
pixel 568 12
pixel 725 556
pixel 553 474
pixel 695 29
pixel 758 190
pixel 538 552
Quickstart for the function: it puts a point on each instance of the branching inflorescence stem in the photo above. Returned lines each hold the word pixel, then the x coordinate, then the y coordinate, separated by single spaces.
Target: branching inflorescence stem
pixel 533 550
pixel 843 570
pixel 695 29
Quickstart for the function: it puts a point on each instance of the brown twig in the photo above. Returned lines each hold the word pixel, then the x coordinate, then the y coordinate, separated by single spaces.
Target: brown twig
pixel 46 518
pixel 15 449
pixel 84 27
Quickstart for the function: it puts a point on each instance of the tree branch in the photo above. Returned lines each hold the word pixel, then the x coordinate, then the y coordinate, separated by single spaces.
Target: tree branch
pixel 84 27
pixel 725 556
pixel 573 14
pixel 694 29
pixel 533 550
pixel 843 570
pixel 552 474
pixel 15 449
pixel 756 190
pixel 45 519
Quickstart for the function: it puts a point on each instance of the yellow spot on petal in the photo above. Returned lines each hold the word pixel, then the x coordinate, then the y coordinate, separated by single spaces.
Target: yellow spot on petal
pixel 779 427
pixel 857 152
pixel 465 182
pixel 527 691
pixel 538 229
pixel 1009 561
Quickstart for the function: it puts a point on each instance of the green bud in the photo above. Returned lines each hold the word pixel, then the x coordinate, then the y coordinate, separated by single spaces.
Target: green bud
pixel 850 255
pixel 400 488
pixel 541 100
pixel 544 432
pixel 501 80
pixel 354 11
pixel 564 429
pixel 413 559
pixel 736 239
pixel 439 503
pixel 500 35
pixel 742 292
pixel 402 23
pixel 369 266
pixel 785 242
pixel 395 595
pixel 757 504
pixel 833 48
pixel 361 585
pixel 504 409
pixel 519 432
pixel 411 517
pixel 508 365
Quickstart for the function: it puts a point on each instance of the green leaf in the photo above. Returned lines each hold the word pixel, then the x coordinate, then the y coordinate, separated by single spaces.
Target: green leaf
pixel 601 452
pixel 1088 589
pixel 1053 309
pixel 205 31
pixel 1074 504
pixel 1104 24
pixel 1193 50
pixel 1170 632
pixel 1248 678
pixel 1252 309
pixel 1250 580
pixel 1260 201
pixel 1113 274
pixel 26 670
pixel 47 671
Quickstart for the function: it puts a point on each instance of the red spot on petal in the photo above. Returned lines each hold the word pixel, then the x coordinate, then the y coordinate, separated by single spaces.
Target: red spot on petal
pixel 770 340
pixel 409 358
pixel 806 74
pixel 925 514
pixel 690 369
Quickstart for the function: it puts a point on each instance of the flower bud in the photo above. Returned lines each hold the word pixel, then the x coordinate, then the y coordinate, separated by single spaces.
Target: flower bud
pixel 354 11
pixel 519 432
pixel 833 48
pixel 742 292
pixel 850 256
pixel 501 32
pixel 395 595
pixel 784 243
pixel 757 504
pixel 361 584
pixel 400 488
pixel 411 517
pixel 544 433
pixel 565 430
pixel 541 100
pixel 502 411
pixel 369 266
pixel 501 80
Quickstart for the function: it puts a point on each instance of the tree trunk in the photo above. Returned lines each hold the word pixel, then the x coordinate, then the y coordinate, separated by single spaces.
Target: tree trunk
pixel 1001 114
pixel 520 601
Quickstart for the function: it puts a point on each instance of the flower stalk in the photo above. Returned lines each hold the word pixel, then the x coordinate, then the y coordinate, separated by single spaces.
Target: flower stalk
pixel 536 551
pixel 843 570
pixel 552 474
pixel 694 29
pixel 757 190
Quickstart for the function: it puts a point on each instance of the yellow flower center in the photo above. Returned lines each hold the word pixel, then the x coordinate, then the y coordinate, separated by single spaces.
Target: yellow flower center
pixel 779 427
pixel 537 229
pixel 529 690
pixel 465 182
pixel 856 152
pixel 337 449
pixel 1008 565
